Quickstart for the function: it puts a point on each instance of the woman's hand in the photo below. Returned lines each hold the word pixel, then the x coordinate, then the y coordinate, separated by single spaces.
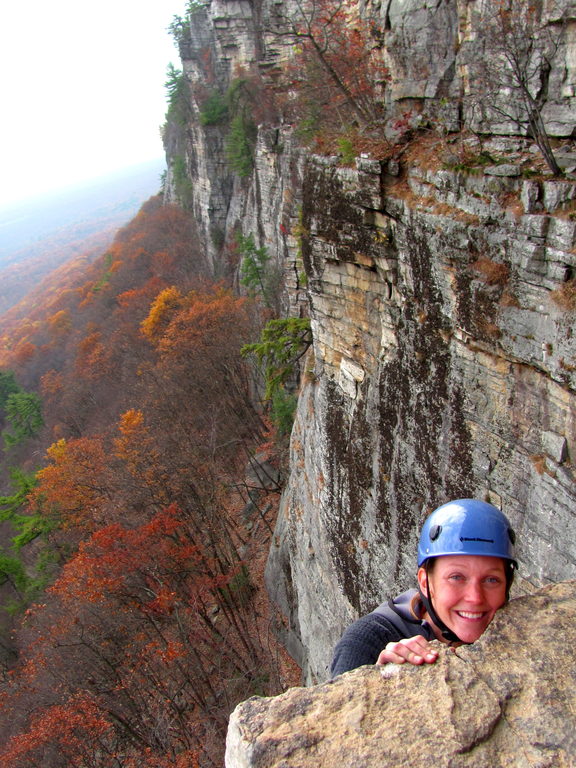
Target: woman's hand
pixel 415 650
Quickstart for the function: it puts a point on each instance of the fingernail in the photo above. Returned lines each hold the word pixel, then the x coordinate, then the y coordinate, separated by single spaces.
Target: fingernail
pixel 417 658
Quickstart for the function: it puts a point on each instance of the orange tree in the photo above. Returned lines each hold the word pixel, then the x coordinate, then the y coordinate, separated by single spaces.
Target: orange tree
pixel 139 631
pixel 199 371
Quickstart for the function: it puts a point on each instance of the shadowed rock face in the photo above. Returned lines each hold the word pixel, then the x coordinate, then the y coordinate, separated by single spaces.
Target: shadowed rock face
pixel 508 700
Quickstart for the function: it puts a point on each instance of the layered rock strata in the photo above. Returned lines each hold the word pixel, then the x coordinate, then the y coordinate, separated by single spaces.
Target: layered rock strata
pixel 443 367
pixel 432 51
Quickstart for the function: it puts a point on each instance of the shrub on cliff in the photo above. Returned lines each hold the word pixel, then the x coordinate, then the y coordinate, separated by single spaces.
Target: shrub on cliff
pixel 241 139
pixel 214 110
pixel 336 63
pixel 258 273
pixel 283 342
pixel 240 145
pixel 178 96
pixel 511 81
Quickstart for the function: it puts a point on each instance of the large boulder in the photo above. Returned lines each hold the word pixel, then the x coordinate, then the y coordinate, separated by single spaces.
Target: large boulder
pixel 508 700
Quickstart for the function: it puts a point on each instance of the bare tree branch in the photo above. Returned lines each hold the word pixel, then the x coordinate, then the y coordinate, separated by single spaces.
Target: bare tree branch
pixel 511 79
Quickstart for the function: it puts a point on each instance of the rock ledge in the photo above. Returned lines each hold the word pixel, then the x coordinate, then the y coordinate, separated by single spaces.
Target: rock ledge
pixel 508 700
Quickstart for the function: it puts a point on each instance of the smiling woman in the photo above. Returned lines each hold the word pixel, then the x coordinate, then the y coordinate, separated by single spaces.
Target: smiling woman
pixel 465 570
pixel 467 590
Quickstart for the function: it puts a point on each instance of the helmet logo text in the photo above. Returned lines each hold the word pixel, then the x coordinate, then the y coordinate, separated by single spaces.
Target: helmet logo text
pixel 477 538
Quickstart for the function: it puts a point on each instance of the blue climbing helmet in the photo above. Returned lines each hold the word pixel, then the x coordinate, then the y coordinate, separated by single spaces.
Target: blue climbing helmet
pixel 467 527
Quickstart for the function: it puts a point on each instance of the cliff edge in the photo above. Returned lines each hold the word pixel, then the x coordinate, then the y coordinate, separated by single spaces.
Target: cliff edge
pixel 508 700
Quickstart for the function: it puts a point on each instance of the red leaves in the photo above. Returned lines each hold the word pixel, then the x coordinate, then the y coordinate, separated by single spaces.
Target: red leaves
pixel 205 322
pixel 77 727
pixel 24 351
pixel 180 324
pixel 148 565
pixel 134 606
pixel 160 244
pixel 336 61
pixel 52 383
pixel 93 359
pixel 149 629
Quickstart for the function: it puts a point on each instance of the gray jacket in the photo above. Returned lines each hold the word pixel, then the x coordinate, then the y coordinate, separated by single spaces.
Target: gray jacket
pixel 363 641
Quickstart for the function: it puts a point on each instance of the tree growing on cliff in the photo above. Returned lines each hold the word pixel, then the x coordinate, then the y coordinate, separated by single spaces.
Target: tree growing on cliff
pixel 511 81
pixel 178 95
pixel 241 139
pixel 336 61
pixel 258 274
pixel 283 342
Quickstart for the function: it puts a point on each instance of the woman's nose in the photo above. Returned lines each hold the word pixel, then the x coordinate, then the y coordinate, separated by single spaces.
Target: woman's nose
pixel 474 591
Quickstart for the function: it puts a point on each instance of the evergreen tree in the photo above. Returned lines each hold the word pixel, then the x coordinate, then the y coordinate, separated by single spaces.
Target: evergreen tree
pixel 24 414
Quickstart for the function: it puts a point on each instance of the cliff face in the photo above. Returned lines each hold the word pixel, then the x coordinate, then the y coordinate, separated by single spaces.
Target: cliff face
pixel 433 52
pixel 442 369
pixel 443 362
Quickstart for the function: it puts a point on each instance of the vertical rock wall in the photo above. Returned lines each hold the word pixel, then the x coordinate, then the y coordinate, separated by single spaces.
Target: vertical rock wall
pixel 443 359
pixel 444 367
pixel 227 41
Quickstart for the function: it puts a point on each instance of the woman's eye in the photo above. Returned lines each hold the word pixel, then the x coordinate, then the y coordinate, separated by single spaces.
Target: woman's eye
pixel 456 577
pixel 493 580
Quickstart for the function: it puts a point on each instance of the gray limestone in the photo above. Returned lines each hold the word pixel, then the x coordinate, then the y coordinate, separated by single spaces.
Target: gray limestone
pixel 466 388
pixel 505 169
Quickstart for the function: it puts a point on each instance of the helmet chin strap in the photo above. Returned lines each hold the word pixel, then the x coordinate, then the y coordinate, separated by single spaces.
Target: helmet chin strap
pixel 446 632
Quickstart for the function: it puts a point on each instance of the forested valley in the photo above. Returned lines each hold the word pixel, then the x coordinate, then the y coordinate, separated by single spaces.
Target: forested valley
pixel 133 614
pixel 147 394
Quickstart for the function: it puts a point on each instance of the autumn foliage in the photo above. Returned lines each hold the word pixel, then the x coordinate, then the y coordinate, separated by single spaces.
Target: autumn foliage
pixel 154 626
pixel 336 74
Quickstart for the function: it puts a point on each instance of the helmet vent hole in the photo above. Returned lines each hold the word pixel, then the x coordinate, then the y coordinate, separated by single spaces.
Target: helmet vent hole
pixel 435 532
pixel 512 535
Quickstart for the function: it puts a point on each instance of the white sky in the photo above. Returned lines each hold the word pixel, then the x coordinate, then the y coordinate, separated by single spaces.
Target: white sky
pixel 82 89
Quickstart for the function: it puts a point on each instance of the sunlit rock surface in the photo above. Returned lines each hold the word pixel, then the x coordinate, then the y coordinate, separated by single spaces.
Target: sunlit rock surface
pixel 508 700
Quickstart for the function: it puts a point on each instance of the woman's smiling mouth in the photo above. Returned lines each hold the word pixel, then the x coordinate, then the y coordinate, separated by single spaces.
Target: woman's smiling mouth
pixel 471 615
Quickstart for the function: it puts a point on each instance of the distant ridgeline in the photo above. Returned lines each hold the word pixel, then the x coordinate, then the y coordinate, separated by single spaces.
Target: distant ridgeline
pixel 40 234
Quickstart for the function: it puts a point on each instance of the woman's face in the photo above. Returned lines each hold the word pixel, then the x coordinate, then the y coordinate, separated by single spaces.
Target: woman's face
pixel 466 592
